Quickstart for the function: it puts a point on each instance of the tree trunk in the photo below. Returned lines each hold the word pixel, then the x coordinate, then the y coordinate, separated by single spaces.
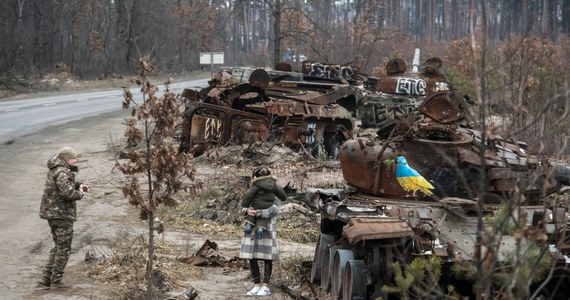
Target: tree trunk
pixel 122 40
pixel 545 18
pixel 525 29
pixel 36 61
pixel 133 34
pixel 430 21
pixel 150 212
pixel 277 33
pixel 150 283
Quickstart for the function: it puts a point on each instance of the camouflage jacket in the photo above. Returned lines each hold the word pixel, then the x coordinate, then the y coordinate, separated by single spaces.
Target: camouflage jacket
pixel 60 192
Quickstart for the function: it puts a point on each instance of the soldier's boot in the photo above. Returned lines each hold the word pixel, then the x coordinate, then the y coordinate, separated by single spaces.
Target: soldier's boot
pixel 58 285
pixel 44 283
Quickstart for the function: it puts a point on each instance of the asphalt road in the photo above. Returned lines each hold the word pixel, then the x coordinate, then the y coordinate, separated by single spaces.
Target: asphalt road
pixel 24 116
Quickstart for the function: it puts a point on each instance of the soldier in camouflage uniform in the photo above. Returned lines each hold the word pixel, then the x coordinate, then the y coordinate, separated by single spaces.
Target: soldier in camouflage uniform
pixel 59 209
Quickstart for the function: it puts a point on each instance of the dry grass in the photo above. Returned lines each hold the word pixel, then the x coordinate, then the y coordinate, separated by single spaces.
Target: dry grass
pixel 125 266
pixel 213 211
pixel 290 269
pixel 294 273
pixel 296 228
pixel 216 210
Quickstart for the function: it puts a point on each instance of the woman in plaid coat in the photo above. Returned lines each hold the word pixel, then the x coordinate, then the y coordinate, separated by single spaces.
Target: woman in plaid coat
pixel 265 249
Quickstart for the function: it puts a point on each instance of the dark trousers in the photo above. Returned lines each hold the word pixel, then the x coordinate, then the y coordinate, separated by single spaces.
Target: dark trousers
pixel 254 266
pixel 62 234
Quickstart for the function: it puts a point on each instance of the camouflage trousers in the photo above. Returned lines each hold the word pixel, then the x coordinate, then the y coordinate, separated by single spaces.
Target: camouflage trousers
pixel 62 234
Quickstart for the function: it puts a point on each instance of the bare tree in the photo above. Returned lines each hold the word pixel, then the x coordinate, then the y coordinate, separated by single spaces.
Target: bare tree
pixel 155 170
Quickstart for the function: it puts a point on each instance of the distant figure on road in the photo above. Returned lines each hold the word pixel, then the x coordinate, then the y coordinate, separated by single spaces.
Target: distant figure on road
pixel 287 55
pixel 59 209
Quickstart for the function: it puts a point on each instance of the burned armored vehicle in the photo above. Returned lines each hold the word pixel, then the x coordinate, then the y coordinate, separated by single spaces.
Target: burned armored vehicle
pixel 284 108
pixel 487 203
pixel 382 101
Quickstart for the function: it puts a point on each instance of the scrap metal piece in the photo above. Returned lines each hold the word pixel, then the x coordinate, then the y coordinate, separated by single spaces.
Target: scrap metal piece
pixel 362 229
pixel 445 107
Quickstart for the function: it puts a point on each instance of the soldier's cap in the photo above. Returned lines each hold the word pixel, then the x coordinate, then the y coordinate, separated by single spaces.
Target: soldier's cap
pixel 67 153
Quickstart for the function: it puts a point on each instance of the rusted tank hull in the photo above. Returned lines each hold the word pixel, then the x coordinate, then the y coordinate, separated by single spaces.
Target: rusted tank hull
pixel 207 124
pixel 304 115
pixel 362 168
pixel 454 168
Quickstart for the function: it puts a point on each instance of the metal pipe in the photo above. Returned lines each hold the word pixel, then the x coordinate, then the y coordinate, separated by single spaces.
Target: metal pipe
pixel 416 61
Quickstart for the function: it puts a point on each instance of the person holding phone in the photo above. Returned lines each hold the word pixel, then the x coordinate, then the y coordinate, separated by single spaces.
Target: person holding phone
pixel 58 207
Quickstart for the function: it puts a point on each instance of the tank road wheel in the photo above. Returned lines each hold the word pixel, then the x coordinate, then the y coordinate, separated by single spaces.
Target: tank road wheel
pixel 382 266
pixel 354 282
pixel 341 257
pixel 325 240
pixel 326 271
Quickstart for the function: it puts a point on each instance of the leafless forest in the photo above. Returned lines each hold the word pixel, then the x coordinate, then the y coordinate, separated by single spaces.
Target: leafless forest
pixel 93 37
pixel 511 56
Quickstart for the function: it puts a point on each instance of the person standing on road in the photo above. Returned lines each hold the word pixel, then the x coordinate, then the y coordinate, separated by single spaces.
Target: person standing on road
pixel 266 248
pixel 59 209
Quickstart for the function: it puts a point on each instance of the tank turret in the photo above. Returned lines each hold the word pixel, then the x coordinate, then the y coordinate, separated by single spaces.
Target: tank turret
pixel 456 159
pixel 400 92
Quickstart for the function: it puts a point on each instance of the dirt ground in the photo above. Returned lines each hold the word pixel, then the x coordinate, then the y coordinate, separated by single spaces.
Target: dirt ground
pixel 25 239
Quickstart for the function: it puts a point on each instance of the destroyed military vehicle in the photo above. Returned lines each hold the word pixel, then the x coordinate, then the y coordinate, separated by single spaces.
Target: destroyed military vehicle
pixel 312 110
pixel 310 114
pixel 381 101
pixel 376 226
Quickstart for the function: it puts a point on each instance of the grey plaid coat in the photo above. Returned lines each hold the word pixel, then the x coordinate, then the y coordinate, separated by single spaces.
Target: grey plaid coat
pixel 266 248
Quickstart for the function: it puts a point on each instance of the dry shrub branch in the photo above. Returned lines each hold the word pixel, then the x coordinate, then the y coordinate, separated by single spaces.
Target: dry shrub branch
pixel 154 169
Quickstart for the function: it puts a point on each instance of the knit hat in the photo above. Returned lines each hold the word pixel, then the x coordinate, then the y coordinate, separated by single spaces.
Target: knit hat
pixel 67 153
pixel 261 171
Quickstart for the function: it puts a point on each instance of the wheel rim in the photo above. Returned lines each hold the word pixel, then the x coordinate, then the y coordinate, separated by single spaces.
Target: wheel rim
pixel 324 241
pixel 354 283
pixel 341 256
pixel 326 270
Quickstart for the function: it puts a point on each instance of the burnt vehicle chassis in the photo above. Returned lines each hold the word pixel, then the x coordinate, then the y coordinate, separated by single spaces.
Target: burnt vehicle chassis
pixel 376 224
pixel 299 113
